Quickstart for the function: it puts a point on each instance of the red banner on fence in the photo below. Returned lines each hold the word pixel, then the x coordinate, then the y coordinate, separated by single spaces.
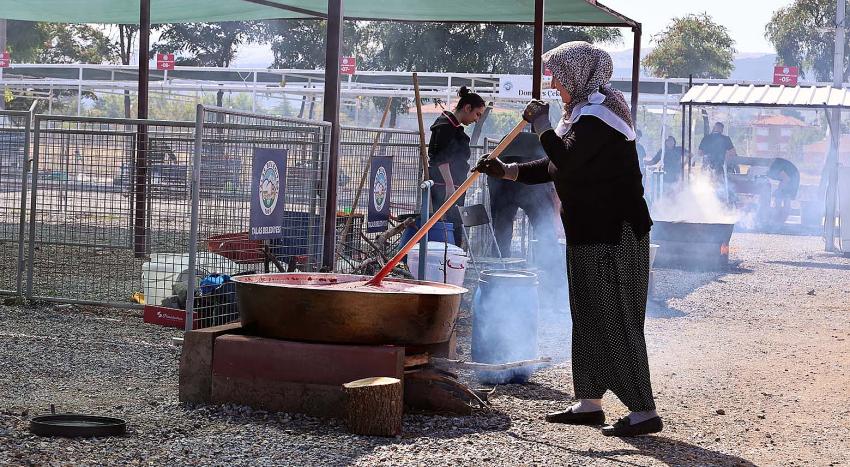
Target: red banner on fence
pixel 785 75
pixel 164 61
pixel 347 65
pixel 5 59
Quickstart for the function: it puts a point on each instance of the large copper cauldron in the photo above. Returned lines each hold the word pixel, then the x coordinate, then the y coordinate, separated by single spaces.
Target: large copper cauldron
pixel 295 306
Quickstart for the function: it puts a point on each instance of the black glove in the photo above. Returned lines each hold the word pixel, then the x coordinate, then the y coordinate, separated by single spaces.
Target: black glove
pixel 537 113
pixel 491 167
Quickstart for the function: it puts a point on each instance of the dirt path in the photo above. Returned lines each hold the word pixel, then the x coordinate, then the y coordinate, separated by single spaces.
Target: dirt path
pixel 749 368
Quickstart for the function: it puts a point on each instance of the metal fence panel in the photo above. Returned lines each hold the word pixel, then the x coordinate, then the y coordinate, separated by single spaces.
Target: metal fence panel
pixel 228 139
pixel 14 158
pixel 82 205
pixel 356 147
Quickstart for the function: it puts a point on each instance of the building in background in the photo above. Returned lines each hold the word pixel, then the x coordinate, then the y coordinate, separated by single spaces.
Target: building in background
pixel 772 136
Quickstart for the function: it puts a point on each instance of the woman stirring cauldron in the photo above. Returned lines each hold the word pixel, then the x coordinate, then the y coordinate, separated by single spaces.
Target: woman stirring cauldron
pixel 449 152
pixel 592 159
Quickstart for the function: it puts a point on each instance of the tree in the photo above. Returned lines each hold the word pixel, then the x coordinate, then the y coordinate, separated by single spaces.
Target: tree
pixel 692 45
pixel 455 47
pixel 208 44
pixel 803 34
pixel 126 38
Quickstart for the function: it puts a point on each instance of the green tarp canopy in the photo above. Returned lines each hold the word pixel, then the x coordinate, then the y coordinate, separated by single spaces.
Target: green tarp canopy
pixel 587 12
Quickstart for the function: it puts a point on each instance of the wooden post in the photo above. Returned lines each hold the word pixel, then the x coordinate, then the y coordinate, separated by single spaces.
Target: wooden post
pixel 423 150
pixel 374 406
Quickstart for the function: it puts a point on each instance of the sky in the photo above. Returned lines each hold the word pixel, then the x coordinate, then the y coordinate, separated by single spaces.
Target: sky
pixel 745 19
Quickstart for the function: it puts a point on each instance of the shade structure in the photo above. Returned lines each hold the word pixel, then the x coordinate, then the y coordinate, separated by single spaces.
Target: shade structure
pixel 586 12
pixel 766 96
pixel 147 12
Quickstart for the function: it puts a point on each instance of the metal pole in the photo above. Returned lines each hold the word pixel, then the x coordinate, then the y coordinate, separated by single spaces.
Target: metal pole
pixel 636 31
pixel 193 226
pixel 80 91
pixel 331 114
pixel 2 49
pixel 537 68
pixel 140 209
pixel 424 216
pixel 254 94
pixel 835 130
pixel 682 178
pixel 33 205
pixel 23 214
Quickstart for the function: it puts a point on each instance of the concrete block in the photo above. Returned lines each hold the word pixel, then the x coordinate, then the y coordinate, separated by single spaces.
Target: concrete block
pixel 277 375
pixel 301 362
pixel 196 358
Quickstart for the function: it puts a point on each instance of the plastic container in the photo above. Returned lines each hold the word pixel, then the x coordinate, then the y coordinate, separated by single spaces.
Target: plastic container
pixel 162 271
pixel 453 263
pixel 438 233
pixel 504 323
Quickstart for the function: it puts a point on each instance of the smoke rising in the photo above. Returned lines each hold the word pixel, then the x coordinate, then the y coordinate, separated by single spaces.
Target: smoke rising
pixel 700 200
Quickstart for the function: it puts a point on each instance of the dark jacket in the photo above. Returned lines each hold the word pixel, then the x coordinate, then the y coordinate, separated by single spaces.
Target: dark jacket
pixel 597 176
pixel 449 143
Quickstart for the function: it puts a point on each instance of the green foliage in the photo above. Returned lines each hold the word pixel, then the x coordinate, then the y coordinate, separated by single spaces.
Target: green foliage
pixel 692 45
pixel 803 34
pixel 57 43
pixel 462 48
pixel 208 44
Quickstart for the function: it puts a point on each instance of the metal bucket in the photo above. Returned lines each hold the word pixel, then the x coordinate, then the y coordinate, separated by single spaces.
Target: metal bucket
pixel 301 306
pixel 504 323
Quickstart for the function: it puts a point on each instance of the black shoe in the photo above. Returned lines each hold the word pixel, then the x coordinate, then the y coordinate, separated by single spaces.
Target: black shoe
pixel 623 428
pixel 577 418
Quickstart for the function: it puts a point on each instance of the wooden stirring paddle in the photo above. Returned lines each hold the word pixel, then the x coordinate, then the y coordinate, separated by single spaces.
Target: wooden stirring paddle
pixel 376 281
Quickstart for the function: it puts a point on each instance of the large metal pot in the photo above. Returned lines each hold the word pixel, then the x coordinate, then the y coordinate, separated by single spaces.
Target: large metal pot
pixel 692 245
pixel 298 306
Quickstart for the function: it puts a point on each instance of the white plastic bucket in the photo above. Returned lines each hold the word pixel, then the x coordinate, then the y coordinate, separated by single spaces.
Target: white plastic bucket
pixel 653 250
pixel 162 271
pixel 453 263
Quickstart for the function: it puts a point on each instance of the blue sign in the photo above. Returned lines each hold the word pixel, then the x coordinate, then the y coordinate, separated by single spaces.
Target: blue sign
pixel 381 174
pixel 268 175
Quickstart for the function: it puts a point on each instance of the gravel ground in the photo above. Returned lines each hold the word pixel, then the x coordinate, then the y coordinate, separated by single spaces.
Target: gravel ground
pixel 749 368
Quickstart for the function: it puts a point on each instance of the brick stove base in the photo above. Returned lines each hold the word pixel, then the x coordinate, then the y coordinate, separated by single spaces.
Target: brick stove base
pixel 221 365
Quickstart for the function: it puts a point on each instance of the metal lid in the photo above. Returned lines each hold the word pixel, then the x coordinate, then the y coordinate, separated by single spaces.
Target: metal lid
pixel 73 425
pixel 508 277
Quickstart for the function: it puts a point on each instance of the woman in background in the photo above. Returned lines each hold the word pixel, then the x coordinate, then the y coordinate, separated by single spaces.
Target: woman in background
pixel 449 153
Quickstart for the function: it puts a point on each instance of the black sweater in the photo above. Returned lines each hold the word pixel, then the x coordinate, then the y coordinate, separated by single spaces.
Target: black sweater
pixel 449 144
pixel 597 176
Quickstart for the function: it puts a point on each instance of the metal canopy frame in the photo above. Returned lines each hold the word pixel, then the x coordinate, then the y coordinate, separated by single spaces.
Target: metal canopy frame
pixel 335 20
pixel 804 97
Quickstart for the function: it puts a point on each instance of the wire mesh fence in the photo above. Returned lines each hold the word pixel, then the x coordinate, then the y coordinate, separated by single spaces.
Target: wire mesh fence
pixel 111 205
pixel 14 157
pixel 225 188
pixel 358 146
pixel 95 218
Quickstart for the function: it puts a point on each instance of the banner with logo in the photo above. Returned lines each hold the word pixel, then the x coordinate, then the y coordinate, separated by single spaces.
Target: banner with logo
pixel 268 175
pixel 519 86
pixel 380 178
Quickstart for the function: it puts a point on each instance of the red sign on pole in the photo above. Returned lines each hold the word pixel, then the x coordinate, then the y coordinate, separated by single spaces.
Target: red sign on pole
pixel 164 61
pixel 347 65
pixel 785 75
pixel 5 59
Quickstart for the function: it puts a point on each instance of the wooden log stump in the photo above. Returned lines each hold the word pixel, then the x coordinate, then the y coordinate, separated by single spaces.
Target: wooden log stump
pixel 374 406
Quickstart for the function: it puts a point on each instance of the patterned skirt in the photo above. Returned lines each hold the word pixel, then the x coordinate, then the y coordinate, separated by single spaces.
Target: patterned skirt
pixel 608 288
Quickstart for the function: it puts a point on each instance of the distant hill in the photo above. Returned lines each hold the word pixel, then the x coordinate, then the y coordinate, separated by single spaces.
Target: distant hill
pixel 748 66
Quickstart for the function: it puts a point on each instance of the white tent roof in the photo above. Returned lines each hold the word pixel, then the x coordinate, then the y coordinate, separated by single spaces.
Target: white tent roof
pixel 767 96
